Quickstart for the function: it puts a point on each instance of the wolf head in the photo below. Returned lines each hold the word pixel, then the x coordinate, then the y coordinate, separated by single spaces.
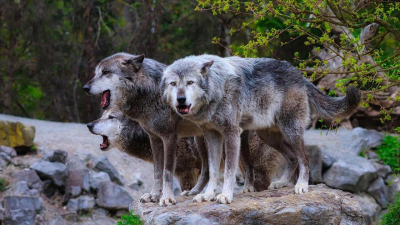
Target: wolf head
pixel 184 85
pixel 112 76
pixel 110 126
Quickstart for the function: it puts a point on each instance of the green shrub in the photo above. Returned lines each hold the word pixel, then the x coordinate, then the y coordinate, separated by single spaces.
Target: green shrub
pixel 389 152
pixel 392 217
pixel 3 184
pixel 130 219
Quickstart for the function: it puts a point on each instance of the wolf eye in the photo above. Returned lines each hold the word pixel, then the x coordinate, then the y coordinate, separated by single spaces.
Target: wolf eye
pixel 111 117
pixel 105 71
pixel 173 83
pixel 190 82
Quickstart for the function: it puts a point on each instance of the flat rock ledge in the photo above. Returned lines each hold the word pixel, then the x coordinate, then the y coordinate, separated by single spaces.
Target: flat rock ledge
pixel 321 205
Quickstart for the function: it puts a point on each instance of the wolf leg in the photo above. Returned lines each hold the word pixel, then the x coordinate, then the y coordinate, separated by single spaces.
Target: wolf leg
pixel 214 142
pixel 158 158
pixel 204 175
pixel 232 152
pixel 245 158
pixel 170 144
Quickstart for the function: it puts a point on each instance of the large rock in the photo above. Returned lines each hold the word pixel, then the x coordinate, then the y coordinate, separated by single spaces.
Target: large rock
pixel 103 164
pixel 112 196
pixel 369 208
pixel 30 177
pixel 77 182
pixel 353 176
pixel 321 205
pixel 382 170
pixel 5 159
pixel 9 151
pixel 393 188
pixel 21 188
pixel 81 205
pixel 363 139
pixel 22 210
pixel 378 191
pixel 97 178
pixel 55 171
pixel 315 161
pixel 16 134
pixel 56 156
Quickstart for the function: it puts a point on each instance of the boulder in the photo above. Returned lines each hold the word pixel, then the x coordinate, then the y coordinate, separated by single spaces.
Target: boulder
pixel 363 139
pixel 327 160
pixel 5 160
pixel 112 196
pixel 393 188
pixel 30 177
pixel 96 178
pixel 56 156
pixel 369 208
pixel 9 151
pixel 382 170
pixel 103 164
pixel 55 171
pixel 315 161
pixel 16 134
pixel 351 175
pixel 321 205
pixel 19 188
pixel 372 155
pixel 78 181
pixel 81 205
pixel 378 191
pixel 22 210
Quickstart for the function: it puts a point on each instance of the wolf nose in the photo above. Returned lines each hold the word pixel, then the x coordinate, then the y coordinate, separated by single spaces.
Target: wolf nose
pixel 86 88
pixel 181 99
pixel 90 125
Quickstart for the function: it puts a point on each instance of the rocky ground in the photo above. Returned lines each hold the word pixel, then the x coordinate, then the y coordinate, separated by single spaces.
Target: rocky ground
pixel 71 181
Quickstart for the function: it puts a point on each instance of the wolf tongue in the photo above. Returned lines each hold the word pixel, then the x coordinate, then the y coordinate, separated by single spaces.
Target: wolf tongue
pixel 186 110
pixel 104 99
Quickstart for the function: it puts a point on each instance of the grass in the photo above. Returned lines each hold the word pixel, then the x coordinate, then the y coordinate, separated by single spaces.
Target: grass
pixel 389 152
pixel 392 217
pixel 3 184
pixel 130 219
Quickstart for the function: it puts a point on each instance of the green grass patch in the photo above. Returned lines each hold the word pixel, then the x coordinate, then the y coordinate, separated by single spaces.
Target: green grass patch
pixel 3 184
pixel 392 217
pixel 389 152
pixel 130 219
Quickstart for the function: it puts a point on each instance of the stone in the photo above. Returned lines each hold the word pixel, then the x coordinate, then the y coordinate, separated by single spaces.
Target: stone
pixel 121 212
pixel 80 205
pixel 6 160
pixel 22 210
pixel 55 171
pixel 16 134
pixel 372 155
pixel 327 160
pixel 352 175
pixel 369 208
pixel 48 189
pixel 363 139
pixel 378 191
pixel 101 212
pixel 103 164
pixel 77 182
pixel 56 156
pixel 19 188
pixel 393 188
pixel 382 170
pixel 30 177
pixel 57 220
pixel 1 213
pixel 71 192
pixel 321 205
pixel 73 205
pixel 112 196
pixel 96 178
pixel 314 156
pixel 9 151
pixel 138 184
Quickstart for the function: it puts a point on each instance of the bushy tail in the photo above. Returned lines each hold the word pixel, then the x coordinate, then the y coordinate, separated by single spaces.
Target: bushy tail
pixel 327 107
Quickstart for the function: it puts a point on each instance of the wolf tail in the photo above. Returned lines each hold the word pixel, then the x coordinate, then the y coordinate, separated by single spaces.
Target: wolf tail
pixel 327 107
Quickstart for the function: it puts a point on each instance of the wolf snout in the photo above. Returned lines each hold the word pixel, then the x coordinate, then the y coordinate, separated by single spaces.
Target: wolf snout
pixel 90 125
pixel 86 88
pixel 181 99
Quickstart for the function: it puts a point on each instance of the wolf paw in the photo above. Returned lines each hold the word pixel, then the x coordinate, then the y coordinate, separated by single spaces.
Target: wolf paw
pixel 149 197
pixel 203 197
pixel 167 201
pixel 278 184
pixel 185 193
pixel 301 188
pixel 248 189
pixel 223 199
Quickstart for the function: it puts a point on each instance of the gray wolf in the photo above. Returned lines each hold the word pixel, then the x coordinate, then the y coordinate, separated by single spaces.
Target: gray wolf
pixel 224 96
pixel 128 136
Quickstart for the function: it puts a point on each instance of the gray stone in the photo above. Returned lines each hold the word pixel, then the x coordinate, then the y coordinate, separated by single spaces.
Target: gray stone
pixel 22 210
pixel 103 164
pixel 327 160
pixel 314 156
pixel 112 196
pixel 3 162
pixel 363 139
pixel 352 175
pixel 19 188
pixel 7 159
pixel 86 203
pixel 77 182
pixel 393 188
pixel 9 151
pixel 71 192
pixel 101 212
pixel 57 220
pixel 55 171
pixel 73 205
pixel 56 156
pixel 378 191
pixel 96 178
pixel 137 185
pixel 382 170
pixel 321 205
pixel 372 155
pixel 369 208
pixel 31 178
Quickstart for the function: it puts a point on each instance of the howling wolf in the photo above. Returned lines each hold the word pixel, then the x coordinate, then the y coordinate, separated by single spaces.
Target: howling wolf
pixel 224 96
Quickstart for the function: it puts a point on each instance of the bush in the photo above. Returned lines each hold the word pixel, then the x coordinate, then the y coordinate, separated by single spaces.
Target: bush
pixel 389 152
pixel 130 219
pixel 392 217
pixel 3 184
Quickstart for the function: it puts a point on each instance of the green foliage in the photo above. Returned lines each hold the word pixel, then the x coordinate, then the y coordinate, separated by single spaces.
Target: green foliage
pixel 130 219
pixel 392 217
pixel 389 152
pixel 3 184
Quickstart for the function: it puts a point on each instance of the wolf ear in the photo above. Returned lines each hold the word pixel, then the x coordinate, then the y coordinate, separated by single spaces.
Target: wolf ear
pixel 135 61
pixel 206 67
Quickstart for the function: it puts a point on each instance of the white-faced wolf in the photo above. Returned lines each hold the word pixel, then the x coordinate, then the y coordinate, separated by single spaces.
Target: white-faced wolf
pixel 128 136
pixel 224 96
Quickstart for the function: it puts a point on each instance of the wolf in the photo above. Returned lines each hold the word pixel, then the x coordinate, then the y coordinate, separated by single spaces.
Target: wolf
pixel 224 96
pixel 118 131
